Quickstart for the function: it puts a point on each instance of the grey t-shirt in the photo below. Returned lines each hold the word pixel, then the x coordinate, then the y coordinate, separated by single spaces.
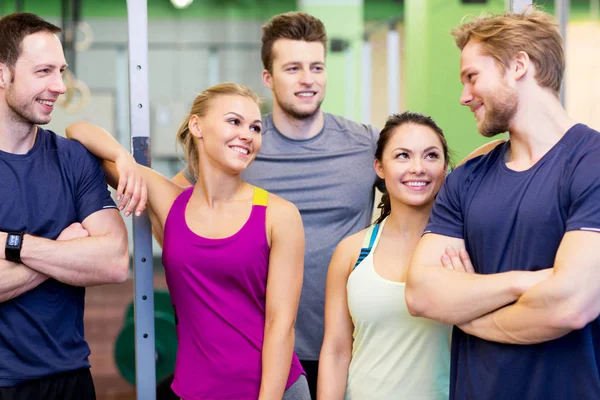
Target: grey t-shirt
pixel 330 178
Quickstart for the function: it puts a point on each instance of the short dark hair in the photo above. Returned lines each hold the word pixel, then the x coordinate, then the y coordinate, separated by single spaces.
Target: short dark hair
pixel 14 28
pixel 291 25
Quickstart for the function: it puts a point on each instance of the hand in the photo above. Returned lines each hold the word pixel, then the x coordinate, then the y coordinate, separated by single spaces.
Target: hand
pixel 457 261
pixel 73 231
pixel 131 190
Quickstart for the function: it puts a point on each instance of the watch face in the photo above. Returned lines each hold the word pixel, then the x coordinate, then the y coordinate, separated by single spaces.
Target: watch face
pixel 13 240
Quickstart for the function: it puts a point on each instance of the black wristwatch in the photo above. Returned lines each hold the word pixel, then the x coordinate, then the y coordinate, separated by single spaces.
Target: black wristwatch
pixel 14 242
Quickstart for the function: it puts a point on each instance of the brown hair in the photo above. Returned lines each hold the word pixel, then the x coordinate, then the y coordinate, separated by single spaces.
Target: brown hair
pixel 503 36
pixel 200 108
pixel 393 122
pixel 14 28
pixel 290 25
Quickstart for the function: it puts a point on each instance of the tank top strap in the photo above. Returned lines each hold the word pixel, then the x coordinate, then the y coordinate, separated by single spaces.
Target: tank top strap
pixel 370 241
pixel 260 197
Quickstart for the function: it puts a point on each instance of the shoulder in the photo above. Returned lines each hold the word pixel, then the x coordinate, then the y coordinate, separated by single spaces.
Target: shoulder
pixel 348 250
pixel 475 166
pixel 583 140
pixel 66 146
pixel 336 122
pixel 281 209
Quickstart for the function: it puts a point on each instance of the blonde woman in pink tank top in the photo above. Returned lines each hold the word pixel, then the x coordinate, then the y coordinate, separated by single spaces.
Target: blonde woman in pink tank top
pixel 233 253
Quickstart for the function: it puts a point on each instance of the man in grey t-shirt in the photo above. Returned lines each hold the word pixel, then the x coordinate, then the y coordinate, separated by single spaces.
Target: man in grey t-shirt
pixel 320 162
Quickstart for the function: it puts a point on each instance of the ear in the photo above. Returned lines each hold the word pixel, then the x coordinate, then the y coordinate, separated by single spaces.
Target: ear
pixel 194 126
pixel 521 65
pixel 378 169
pixel 4 75
pixel 267 79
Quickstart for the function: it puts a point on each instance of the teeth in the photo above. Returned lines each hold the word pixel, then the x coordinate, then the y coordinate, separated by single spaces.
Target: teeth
pixel 240 150
pixel 306 94
pixel 416 184
pixel 46 102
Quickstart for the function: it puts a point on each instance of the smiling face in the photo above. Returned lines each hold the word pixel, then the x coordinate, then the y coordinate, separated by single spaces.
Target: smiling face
pixel 486 91
pixel 32 86
pixel 412 164
pixel 229 133
pixel 299 79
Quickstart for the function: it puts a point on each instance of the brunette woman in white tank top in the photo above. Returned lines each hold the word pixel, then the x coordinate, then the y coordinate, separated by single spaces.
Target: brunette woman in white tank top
pixel 373 348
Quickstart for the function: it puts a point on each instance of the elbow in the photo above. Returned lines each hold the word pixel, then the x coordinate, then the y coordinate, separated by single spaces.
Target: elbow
pixel 119 270
pixel 572 318
pixel 416 302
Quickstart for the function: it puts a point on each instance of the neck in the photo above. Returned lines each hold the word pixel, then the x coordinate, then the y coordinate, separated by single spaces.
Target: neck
pixel 299 129
pixel 540 122
pixel 408 221
pixel 16 135
pixel 215 186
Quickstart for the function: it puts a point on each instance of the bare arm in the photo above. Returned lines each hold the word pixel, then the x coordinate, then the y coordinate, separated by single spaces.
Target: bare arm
pixel 453 297
pixel 118 164
pixel 284 282
pixel 181 180
pixel 336 352
pixel 16 279
pixel 567 301
pixel 102 257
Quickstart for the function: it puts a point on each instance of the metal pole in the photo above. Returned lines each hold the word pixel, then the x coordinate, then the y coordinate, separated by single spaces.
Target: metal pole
pixel 213 66
pixel 365 80
pixel 518 6
pixel 562 14
pixel 350 90
pixel 145 367
pixel 393 67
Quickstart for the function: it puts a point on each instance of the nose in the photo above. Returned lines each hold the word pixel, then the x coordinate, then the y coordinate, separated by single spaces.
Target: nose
pixel 306 77
pixel 416 166
pixel 466 97
pixel 245 134
pixel 58 85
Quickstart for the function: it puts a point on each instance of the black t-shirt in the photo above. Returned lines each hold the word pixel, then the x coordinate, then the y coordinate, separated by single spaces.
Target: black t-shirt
pixel 515 221
pixel 56 183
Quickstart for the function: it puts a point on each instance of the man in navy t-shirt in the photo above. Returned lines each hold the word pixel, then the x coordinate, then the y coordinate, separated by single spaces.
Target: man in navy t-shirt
pixel 59 226
pixel 524 285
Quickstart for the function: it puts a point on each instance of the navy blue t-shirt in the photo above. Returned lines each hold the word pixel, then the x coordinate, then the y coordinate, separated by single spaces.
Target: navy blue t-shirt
pixel 515 221
pixel 56 183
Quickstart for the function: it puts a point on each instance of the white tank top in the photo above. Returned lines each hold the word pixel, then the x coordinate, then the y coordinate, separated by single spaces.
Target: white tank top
pixel 394 355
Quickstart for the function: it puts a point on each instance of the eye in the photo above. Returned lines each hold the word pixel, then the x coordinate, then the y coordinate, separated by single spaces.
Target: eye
pixel 403 155
pixel 255 128
pixel 432 156
pixel 318 68
pixel 292 69
pixel 234 121
pixel 44 70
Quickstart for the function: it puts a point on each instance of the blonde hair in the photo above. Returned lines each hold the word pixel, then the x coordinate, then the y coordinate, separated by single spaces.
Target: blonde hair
pixel 503 36
pixel 200 108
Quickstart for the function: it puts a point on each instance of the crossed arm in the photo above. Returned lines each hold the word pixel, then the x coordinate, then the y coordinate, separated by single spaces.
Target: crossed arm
pixel 547 304
pixel 99 257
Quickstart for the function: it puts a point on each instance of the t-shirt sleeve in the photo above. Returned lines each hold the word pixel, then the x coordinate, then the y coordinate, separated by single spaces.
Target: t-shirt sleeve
pixel 374 134
pixel 91 192
pixel 584 194
pixel 446 216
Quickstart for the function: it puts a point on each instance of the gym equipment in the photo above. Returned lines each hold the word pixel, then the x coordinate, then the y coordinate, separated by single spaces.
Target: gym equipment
pixel 165 340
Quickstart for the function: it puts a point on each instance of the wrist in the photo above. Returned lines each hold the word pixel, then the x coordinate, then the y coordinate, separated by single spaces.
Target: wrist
pixel 122 154
pixel 3 237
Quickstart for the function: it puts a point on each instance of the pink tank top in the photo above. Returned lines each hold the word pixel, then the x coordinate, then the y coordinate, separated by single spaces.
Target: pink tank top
pixel 218 290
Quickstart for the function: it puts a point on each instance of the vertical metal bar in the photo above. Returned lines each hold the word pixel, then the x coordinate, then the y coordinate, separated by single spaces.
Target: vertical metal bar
pixel 518 6
pixel 75 18
pixel 365 81
pixel 213 66
pixel 393 67
pixel 139 99
pixel 562 14
pixel 350 89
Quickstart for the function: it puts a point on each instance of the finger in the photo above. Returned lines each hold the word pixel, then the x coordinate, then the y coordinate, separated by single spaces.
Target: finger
pixel 446 262
pixel 135 198
pixel 121 188
pixel 143 200
pixel 455 259
pixel 129 190
pixel 466 260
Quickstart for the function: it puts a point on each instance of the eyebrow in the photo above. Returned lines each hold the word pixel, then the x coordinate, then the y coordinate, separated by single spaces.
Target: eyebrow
pixel 424 151
pixel 289 64
pixel 51 66
pixel 242 118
